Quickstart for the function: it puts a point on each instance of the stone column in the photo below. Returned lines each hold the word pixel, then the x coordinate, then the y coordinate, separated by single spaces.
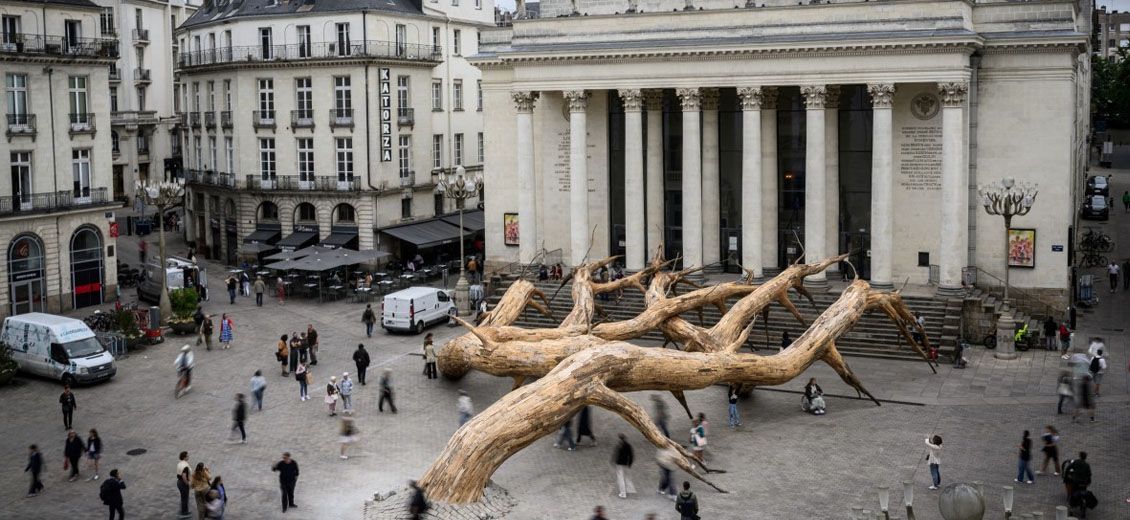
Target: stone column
pixel 955 183
pixel 578 101
pixel 653 99
pixel 751 180
pixel 711 185
pixel 882 186
pixel 769 198
pixel 832 173
pixel 692 178
pixel 815 180
pixel 634 226
pixel 527 186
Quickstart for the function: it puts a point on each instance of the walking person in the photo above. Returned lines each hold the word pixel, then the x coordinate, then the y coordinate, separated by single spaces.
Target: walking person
pixel 698 439
pixel 598 513
pixel 735 419
pixel 1050 449
pixel 623 460
pixel 260 288
pixel 184 484
pixel 227 327
pixel 111 494
pixel 312 343
pixel 239 417
pixel 565 436
pixel 666 458
pixel 72 450
pixel 231 283
pixel 361 361
pixel 198 319
pixel 1076 479
pixel 1112 272
pixel 1064 387
pixel 1050 330
pixel 1024 464
pixel 35 466
pixel 348 432
pixel 206 329
pixel 933 458
pixel 280 290
pixel 221 493
pixel 386 391
pixel 93 451
pixel 686 503
pixel 368 318
pixel 1064 340
pixel 258 386
pixel 464 407
pixel 288 479
pixel 142 250
pixel 660 414
pixel 201 485
pixel 331 396
pixel 429 357
pixel 301 375
pixel 1097 368
pixel 345 390
pixel 282 354
pixel 68 405
pixel 1084 399
pixel 214 505
pixel 245 283
pixel 584 425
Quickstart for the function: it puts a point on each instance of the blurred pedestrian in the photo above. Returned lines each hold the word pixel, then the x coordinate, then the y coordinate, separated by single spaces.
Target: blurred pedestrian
pixel 666 458
pixel 227 328
pixel 111 494
pixel 1064 387
pixel 206 329
pixel 72 450
pixel 429 357
pixel 280 290
pixel 345 390
pixel 1050 330
pixel 698 438
pixel 213 505
pixel 245 283
pixel 361 361
pixel 660 408
pixel 386 391
pixel 785 341
pixel 300 375
pixel 331 396
pixel 1050 449
pixel 258 386
pixel 348 433
pixel 288 479
pixel 282 354
pixel 198 319
pixel 687 503
pixel 35 466
pixel 68 405
pixel 298 344
pixel 1084 399
pixel 565 436
pixel 623 460
pixel 239 417
pixel 93 451
pixel 1064 339
pixel 201 485
pixel 584 425
pixel 1023 465
pixel 418 503
pixel 464 407
pixel 598 513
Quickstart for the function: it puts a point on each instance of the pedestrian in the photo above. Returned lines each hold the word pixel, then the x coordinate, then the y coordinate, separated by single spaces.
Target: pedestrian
pixel 93 451
pixel 232 284
pixel 288 479
pixel 1084 399
pixel 361 360
pixel 68 404
pixel 1126 200
pixel 429 357
pixel 1064 388
pixel 111 494
pixel 280 290
pixel 258 385
pixel 72 450
pixel 184 483
pixel 785 340
pixel 220 489
pixel 260 288
pixel 735 419
pixel 386 391
pixel 1097 368
pixel 584 425
pixel 282 354
pixel 1076 479
pixel 312 343
pixel 345 390
pixel 1064 339
pixel 623 459
pixel 464 407
pixel 418 505
pixel 1024 464
pixel 298 344
pixel 1094 346
pixel 331 396
pixel 660 414
pixel 348 432
pixel 245 283
pixel 198 319
pixel 565 436
pixel 813 400
pixel 698 439
pixel 686 503
pixel 368 318
pixel 227 327
pixel 1050 449
pixel 1112 272
pixel 201 485
pixel 35 466
pixel 300 375
pixel 1050 330
pixel 598 513
pixel 933 458
pixel 239 417
pixel 920 323
pixel 206 329
pixel 666 458
pixel 213 505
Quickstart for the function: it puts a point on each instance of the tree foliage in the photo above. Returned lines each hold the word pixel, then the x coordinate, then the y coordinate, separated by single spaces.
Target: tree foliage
pixel 1110 89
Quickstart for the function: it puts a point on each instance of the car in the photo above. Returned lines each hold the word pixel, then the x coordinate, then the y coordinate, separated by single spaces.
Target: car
pixel 412 309
pixel 58 347
pixel 1095 208
pixel 1098 185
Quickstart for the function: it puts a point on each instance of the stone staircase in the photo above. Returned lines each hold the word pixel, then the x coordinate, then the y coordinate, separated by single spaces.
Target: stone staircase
pixel 873 336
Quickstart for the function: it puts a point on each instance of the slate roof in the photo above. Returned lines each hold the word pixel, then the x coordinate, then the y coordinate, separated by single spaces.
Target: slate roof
pixel 69 3
pixel 214 10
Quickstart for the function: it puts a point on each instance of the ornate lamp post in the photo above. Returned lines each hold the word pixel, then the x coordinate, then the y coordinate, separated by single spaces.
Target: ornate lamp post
pixel 459 187
pixel 162 195
pixel 1008 199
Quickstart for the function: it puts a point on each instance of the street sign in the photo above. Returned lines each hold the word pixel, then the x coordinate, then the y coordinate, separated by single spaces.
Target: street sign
pixel 386 114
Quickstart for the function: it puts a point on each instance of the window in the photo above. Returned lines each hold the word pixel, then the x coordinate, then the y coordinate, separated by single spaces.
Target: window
pixel 138 19
pixel 344 213
pixel 479 94
pixel 212 45
pixel 227 95
pixel 402 92
pixel 305 160
pixel 268 211
pixel 198 153
pixel 265 50
pixel 344 159
pixel 478 4
pixel 1124 43
pixel 304 92
pixel 80 169
pixel 306 212
pixel 211 96
pixel 80 114
pixel 404 154
pixel 267 159
pixel 21 178
pixel 482 148
pixel 214 165
pixel 196 96
pixel 457 42
pixel 304 41
pixel 406 208
pixel 343 48
pixel 401 39
pixel 227 42
pixel 10 27
pixel 439 204
pixel 458 149
pixel 343 102
pixel 106 22
pixel 72 32
pixel 15 86
pixel 115 144
pixel 457 94
pixel 142 144
pixel 1124 27
pixel 229 153
pixel 435 37
pixel 141 98
pixel 139 52
pixel 437 151
pixel 267 99
pixel 437 94
pixel 113 99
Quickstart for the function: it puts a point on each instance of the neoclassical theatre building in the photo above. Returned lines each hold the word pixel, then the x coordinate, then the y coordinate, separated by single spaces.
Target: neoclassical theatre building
pixel 748 133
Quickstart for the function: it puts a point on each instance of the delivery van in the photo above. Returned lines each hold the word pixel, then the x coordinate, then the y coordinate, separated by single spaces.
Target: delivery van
pixel 414 308
pixel 56 347
pixel 179 273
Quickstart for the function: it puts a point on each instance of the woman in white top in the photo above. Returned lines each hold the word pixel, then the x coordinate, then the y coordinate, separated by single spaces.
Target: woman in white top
pixel 934 446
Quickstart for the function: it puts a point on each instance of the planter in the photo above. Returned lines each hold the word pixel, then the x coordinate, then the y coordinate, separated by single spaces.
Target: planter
pixel 135 342
pixel 6 374
pixel 182 328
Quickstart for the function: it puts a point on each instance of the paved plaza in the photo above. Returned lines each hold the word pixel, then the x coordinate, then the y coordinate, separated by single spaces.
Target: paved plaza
pixel 781 464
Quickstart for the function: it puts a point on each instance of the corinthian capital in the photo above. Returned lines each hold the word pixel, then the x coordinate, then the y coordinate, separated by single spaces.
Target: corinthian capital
pixel 953 93
pixel 710 97
pixel 882 94
pixel 578 100
pixel 632 98
pixel 750 98
pixel 690 98
pixel 524 100
pixel 814 96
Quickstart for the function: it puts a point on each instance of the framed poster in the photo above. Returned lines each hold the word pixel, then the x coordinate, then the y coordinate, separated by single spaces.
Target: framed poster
pixel 510 228
pixel 1022 248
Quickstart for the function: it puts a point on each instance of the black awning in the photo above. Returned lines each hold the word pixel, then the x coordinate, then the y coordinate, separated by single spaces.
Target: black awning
pixel 254 248
pixel 299 240
pixel 263 236
pixel 429 233
pixel 344 239
pixel 472 220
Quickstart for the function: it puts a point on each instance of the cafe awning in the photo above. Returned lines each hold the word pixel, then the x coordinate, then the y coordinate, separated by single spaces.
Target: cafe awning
pixel 298 240
pixel 429 233
pixel 473 221
pixel 254 248
pixel 341 238
pixel 263 236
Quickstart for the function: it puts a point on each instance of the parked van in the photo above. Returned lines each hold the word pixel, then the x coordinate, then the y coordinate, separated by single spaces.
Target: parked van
pixel 179 272
pixel 414 308
pixel 56 347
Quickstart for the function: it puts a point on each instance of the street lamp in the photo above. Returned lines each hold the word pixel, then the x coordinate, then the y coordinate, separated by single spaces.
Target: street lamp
pixel 459 187
pixel 162 195
pixel 1008 199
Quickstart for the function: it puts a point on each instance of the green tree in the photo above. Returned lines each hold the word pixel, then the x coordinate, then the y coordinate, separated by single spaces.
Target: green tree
pixel 1110 89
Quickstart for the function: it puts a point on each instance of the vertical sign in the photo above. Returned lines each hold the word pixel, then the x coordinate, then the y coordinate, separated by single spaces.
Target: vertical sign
pixel 386 115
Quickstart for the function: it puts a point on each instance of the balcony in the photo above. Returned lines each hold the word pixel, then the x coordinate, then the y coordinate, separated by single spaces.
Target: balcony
pixel 20 125
pixel 302 119
pixel 140 36
pixel 211 178
pixel 341 117
pixel 407 178
pixel 115 74
pixel 295 183
pixel 54 201
pixel 225 119
pixel 194 119
pixel 35 45
pixel 141 75
pixel 263 118
pixel 81 123
pixel 357 49
pixel 405 116
pixel 209 120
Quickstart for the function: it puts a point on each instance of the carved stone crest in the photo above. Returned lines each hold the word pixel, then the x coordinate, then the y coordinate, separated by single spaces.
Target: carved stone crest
pixel 925 106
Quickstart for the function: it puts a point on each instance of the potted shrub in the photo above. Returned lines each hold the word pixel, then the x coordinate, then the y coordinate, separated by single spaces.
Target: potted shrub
pixel 125 323
pixel 8 366
pixel 184 302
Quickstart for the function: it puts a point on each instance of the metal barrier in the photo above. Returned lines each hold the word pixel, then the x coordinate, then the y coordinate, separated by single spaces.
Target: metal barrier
pixel 114 342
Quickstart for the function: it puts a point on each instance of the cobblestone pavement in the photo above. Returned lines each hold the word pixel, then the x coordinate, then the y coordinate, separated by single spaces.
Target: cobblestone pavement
pixel 780 464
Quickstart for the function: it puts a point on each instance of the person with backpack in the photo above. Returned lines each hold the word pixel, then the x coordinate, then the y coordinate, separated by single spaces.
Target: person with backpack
pixel 361 361
pixel 369 319
pixel 1097 368
pixel 1076 480
pixel 111 494
pixel 686 503
pixel 1024 465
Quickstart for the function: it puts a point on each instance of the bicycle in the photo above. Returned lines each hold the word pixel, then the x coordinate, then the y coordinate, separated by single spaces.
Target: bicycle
pixel 1093 241
pixel 1093 259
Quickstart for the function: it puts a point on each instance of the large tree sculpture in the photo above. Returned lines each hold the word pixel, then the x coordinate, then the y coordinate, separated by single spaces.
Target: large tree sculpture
pixel 580 363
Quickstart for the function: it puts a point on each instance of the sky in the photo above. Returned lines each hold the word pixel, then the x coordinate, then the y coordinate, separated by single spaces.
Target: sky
pixel 508 5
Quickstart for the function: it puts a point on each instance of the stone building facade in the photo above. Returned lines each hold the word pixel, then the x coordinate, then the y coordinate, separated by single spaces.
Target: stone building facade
pixel 1112 32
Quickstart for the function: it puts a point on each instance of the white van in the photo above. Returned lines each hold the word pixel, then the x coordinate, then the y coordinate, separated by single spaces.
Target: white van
pixel 414 308
pixel 57 347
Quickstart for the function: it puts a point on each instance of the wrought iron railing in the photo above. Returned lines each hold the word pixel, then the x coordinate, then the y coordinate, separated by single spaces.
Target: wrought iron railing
pixel 295 183
pixel 405 116
pixel 302 118
pixel 23 43
pixel 115 74
pixel 141 35
pixel 52 201
pixel 341 117
pixel 263 118
pixel 311 51
pixel 141 74
pixel 209 120
pixel 81 122
pixel 194 119
pixel 407 179
pixel 21 124
pixel 225 119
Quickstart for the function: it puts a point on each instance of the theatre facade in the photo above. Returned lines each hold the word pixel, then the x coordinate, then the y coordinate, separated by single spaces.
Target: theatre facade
pixel 747 134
